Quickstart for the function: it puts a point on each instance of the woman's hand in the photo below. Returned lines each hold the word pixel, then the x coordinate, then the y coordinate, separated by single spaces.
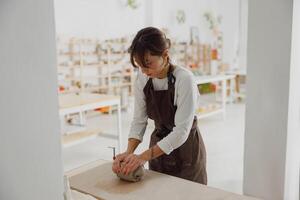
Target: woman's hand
pixel 131 163
pixel 116 167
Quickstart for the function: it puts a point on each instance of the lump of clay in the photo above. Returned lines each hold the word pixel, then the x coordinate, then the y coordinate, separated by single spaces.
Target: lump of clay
pixel 133 176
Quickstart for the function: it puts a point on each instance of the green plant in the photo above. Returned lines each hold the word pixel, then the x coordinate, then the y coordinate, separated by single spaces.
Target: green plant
pixel 132 4
pixel 180 16
pixel 213 21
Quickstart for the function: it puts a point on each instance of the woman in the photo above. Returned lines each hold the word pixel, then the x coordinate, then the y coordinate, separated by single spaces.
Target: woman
pixel 168 95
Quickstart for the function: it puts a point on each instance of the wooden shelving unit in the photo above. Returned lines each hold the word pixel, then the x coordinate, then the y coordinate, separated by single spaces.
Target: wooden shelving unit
pixel 91 65
pixel 196 56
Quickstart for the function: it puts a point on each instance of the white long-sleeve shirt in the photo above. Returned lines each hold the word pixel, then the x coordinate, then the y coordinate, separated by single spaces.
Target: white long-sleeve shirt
pixel 186 98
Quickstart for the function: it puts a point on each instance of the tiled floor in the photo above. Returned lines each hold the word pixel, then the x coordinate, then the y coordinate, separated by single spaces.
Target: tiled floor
pixel 223 139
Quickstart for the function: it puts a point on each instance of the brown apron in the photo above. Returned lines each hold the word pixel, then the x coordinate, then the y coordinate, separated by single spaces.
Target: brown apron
pixel 189 160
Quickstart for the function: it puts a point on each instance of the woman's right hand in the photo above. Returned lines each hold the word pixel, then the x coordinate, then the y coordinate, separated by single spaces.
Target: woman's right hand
pixel 116 167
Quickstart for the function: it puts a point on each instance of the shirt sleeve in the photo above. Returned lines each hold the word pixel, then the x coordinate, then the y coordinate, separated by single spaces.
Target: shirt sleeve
pixel 140 117
pixel 187 95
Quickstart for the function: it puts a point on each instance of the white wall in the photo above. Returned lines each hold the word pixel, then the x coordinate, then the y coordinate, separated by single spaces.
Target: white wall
pixel 271 162
pixel 98 18
pixel 243 24
pixel 165 16
pixel 30 151
pixel 108 19
pixel 229 9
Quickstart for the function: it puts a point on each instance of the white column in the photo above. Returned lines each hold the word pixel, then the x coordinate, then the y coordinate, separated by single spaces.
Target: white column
pixel 292 165
pixel 30 148
pixel 271 162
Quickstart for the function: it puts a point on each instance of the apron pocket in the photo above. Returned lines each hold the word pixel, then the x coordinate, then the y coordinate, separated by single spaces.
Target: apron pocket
pixel 170 164
pixel 186 151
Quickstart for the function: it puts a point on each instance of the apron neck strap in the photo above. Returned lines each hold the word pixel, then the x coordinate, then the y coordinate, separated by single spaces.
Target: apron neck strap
pixel 171 77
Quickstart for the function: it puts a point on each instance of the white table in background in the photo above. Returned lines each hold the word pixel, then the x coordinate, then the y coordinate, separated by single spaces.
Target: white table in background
pixel 217 78
pixel 78 103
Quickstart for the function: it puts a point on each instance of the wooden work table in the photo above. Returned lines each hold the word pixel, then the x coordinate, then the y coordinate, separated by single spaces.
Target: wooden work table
pixel 98 180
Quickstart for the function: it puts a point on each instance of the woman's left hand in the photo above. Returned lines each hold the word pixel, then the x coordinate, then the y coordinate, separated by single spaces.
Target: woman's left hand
pixel 131 163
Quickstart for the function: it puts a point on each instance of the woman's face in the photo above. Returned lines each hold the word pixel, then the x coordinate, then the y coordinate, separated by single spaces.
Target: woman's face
pixel 154 64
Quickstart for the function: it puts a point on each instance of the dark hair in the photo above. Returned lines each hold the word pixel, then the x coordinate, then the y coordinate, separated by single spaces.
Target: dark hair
pixel 148 39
